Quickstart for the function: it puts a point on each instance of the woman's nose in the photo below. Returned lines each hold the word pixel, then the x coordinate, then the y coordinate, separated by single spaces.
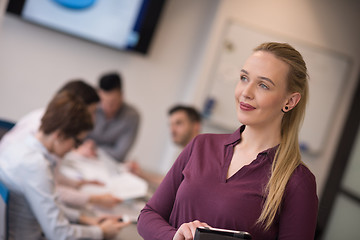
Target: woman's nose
pixel 248 91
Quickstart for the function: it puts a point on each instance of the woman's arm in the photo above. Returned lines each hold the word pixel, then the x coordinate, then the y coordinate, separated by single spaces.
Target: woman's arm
pixel 300 207
pixel 153 222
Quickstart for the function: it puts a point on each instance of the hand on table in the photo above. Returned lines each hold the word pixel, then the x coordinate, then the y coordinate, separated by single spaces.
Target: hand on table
pixel 81 183
pixel 134 167
pixel 90 220
pixel 87 149
pixel 105 200
pixel 187 230
pixel 117 218
pixel 111 227
pixel 98 220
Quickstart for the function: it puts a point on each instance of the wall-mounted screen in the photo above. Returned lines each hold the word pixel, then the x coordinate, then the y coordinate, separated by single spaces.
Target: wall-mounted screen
pixel 120 24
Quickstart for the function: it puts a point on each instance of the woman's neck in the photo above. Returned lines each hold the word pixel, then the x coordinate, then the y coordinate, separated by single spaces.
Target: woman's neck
pixel 260 139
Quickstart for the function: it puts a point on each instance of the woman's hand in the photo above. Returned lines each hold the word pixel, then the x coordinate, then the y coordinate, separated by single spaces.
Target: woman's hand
pixel 187 230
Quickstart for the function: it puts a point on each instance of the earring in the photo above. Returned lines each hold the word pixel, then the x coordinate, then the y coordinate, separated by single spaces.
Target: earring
pixel 286 108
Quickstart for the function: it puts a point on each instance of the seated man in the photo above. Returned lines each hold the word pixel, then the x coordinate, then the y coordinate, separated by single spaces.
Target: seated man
pixel 185 124
pixel 116 121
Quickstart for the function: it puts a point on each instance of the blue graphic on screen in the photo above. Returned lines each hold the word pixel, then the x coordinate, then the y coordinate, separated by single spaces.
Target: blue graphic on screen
pixel 75 4
pixel 121 24
pixel 109 22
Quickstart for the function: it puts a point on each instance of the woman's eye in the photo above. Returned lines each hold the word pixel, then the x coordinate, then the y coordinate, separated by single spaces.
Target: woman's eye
pixel 243 78
pixel 264 86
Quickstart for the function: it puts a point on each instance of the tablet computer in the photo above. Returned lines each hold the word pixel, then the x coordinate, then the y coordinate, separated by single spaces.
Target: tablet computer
pixel 205 233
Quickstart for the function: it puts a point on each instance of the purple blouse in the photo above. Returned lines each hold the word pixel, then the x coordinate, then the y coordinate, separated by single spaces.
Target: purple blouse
pixel 197 188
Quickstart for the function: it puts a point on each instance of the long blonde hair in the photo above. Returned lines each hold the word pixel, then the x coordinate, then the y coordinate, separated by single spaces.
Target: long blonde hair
pixel 287 157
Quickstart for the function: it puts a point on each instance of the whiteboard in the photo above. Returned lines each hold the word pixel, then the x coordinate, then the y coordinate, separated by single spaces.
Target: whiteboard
pixel 327 70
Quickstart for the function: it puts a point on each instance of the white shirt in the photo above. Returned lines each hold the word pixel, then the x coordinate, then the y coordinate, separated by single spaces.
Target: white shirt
pixel 27 171
pixel 30 123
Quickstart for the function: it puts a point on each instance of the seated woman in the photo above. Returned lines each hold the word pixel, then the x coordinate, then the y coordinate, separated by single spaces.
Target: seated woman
pixel 27 168
pixel 252 180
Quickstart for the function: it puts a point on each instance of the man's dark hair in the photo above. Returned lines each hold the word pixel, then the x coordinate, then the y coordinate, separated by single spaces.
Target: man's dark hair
pixel 110 81
pixel 191 112
pixel 81 89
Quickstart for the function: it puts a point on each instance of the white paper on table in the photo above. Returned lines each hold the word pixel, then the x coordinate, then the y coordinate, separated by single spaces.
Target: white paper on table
pixel 125 186
pixel 116 179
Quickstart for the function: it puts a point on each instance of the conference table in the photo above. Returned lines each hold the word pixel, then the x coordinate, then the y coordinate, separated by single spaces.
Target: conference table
pixel 117 180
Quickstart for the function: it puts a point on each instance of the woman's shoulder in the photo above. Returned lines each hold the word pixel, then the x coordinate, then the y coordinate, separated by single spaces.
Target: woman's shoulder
pixel 212 137
pixel 302 178
pixel 303 171
pixel 205 141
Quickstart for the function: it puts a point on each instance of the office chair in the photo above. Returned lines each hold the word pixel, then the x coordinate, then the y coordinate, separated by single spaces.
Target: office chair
pixel 4 197
pixel 4 192
pixel 5 126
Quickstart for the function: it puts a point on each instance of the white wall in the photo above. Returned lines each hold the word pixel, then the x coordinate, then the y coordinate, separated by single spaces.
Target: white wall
pixel 327 24
pixel 35 62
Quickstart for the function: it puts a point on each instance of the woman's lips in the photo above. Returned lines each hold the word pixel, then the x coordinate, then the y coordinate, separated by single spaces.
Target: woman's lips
pixel 246 107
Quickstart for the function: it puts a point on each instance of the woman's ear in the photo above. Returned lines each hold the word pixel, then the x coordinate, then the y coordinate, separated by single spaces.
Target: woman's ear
pixel 293 100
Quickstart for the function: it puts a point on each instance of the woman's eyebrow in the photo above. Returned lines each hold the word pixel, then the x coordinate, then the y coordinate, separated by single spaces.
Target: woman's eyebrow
pixel 263 78
pixel 242 70
pixel 268 80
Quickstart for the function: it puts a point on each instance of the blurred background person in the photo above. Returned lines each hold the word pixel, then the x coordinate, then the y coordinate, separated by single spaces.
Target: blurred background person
pixel 27 170
pixel 66 187
pixel 185 124
pixel 117 122
pixel 31 121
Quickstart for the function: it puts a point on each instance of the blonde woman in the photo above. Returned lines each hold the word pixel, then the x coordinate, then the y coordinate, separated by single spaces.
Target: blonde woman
pixel 252 180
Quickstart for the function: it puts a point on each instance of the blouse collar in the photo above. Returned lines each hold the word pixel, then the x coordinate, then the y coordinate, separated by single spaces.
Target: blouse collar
pixel 235 138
